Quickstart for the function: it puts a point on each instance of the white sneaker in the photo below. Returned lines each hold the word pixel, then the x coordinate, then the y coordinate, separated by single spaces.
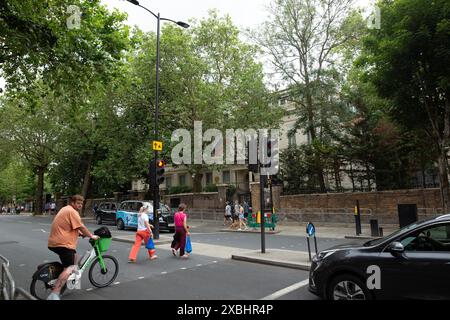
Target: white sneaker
pixel 239 229
pixel 53 296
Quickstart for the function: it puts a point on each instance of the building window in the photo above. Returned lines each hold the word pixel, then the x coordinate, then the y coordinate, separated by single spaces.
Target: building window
pixel 291 139
pixel 168 182
pixel 209 179
pixel 182 178
pixel 226 176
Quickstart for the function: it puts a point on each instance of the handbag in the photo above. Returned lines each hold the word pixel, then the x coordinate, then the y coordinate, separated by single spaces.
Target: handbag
pixel 188 246
pixel 150 244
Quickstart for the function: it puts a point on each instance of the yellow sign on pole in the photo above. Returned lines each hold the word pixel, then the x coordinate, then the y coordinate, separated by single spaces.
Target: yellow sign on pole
pixel 157 145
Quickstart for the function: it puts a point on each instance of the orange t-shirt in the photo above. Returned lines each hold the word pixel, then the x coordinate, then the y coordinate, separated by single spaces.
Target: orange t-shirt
pixel 64 231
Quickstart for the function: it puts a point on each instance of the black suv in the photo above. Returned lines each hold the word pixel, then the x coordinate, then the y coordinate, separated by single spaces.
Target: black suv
pixel 106 212
pixel 411 263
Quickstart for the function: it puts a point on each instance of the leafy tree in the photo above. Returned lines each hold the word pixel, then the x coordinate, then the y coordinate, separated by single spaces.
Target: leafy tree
pixel 16 183
pixel 408 60
pixel 302 39
pixel 26 123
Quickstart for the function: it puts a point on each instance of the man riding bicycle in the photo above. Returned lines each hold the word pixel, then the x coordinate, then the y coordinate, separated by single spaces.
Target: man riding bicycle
pixel 63 238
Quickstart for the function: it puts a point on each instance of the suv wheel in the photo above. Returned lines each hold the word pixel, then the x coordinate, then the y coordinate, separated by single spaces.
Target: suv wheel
pixel 348 287
pixel 120 224
pixel 99 220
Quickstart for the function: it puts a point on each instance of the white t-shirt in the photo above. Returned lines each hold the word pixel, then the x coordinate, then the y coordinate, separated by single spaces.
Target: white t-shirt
pixel 141 222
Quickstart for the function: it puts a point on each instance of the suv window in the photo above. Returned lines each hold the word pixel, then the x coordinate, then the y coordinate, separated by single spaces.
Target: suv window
pixel 125 206
pixel 113 206
pixel 435 238
pixel 136 206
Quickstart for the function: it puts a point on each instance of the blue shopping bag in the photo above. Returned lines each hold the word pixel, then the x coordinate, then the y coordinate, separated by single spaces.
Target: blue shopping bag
pixel 188 247
pixel 150 244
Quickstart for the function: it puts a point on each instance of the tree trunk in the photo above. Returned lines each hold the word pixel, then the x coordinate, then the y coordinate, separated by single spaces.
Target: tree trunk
pixel 40 191
pixel 368 177
pixel 87 182
pixel 312 132
pixel 352 178
pixel 443 179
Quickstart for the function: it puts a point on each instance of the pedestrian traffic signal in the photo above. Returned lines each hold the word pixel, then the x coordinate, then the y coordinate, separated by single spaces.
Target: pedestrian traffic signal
pixel 160 164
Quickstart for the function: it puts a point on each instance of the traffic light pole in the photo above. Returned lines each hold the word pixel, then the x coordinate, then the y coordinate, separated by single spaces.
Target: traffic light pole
pixel 156 189
pixel 261 203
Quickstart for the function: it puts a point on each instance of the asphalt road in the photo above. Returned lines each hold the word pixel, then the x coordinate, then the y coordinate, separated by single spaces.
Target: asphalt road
pixel 23 240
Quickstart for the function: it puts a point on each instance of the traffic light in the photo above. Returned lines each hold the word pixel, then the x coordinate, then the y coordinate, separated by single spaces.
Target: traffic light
pixel 265 163
pixel 151 176
pixel 253 167
pixel 160 164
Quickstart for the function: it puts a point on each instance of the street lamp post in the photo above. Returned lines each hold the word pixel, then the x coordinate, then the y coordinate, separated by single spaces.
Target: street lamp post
pixel 156 133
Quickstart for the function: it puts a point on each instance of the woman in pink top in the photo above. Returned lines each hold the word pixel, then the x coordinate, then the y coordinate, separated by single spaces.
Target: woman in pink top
pixel 181 231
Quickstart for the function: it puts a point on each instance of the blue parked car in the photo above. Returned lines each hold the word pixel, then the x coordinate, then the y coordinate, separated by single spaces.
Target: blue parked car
pixel 127 214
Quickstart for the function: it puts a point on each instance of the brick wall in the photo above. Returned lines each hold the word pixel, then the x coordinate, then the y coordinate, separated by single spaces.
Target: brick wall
pixel 339 207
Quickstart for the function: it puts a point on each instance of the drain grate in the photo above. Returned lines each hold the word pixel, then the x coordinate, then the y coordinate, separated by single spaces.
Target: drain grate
pixel 8 242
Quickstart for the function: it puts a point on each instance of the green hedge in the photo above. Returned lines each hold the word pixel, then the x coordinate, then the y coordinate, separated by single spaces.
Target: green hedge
pixel 210 188
pixel 180 189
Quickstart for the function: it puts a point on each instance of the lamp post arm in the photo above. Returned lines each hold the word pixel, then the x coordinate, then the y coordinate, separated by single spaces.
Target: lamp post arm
pixel 148 11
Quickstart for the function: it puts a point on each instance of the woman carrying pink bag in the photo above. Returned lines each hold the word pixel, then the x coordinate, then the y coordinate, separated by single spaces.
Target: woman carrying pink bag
pixel 181 231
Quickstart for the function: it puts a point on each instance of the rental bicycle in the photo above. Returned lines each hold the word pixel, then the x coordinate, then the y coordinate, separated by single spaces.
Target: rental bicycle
pixel 103 270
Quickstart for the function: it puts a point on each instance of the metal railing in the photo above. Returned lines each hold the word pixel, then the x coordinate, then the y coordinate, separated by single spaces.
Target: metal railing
pixel 8 290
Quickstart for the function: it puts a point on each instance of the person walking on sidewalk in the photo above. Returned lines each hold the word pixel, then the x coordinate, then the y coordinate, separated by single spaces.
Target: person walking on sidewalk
pixel 242 224
pixel 227 215
pixel 236 211
pixel 181 231
pixel 144 232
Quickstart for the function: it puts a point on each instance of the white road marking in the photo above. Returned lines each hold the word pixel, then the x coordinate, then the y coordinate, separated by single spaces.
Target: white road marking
pixel 39 230
pixel 89 289
pixel 141 277
pixel 116 282
pixel 199 265
pixel 193 233
pixel 21 265
pixel 45 261
pixel 214 262
pixel 287 290
pixel 164 272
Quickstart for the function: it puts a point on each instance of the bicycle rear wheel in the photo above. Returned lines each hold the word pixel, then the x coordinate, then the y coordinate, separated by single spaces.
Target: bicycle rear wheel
pixel 100 278
pixel 41 290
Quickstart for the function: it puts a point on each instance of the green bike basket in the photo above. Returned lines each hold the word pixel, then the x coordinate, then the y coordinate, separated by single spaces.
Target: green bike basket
pixel 103 244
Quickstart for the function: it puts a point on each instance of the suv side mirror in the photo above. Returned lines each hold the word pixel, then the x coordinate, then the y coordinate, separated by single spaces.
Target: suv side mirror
pixel 396 247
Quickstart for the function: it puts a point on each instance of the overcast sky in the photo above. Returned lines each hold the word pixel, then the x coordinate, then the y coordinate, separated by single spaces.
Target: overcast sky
pixel 243 13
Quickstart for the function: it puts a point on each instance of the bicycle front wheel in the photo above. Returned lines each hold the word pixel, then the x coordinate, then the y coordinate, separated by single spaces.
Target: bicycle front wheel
pixel 103 278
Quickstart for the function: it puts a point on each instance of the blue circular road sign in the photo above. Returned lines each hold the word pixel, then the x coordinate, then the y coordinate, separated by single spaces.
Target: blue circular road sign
pixel 310 229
